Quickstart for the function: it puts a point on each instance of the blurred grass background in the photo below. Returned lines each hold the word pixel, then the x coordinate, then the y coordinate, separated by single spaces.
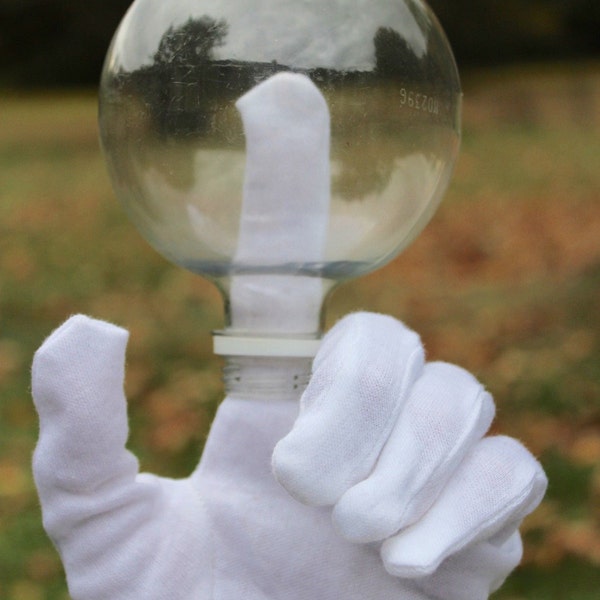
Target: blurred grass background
pixel 504 281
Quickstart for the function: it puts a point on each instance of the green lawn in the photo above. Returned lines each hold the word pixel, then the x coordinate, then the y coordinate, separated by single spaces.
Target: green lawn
pixel 505 281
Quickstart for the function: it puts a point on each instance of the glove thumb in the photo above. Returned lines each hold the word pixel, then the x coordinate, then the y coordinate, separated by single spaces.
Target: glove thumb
pixel 80 465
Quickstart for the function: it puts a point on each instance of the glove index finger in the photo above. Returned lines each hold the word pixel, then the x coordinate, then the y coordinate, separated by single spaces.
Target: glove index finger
pixel 77 386
pixel 361 378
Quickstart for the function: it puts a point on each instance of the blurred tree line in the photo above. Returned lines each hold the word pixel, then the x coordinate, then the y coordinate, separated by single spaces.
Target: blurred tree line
pixel 63 42
pixel 493 32
pixel 56 42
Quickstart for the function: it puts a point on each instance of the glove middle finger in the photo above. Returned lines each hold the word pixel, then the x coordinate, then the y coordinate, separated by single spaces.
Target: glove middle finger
pixel 447 412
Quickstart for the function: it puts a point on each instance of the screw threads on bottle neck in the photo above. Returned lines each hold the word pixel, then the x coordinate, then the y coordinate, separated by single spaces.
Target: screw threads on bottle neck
pixel 266 378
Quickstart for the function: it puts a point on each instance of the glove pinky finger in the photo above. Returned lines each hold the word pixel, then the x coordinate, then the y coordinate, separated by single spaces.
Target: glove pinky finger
pixel 477 571
pixel 496 486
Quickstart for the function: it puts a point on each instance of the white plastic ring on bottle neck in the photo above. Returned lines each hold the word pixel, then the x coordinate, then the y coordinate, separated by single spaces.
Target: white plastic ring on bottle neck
pixel 231 345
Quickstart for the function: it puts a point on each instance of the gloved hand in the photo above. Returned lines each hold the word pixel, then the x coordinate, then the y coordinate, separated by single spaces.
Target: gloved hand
pixel 400 495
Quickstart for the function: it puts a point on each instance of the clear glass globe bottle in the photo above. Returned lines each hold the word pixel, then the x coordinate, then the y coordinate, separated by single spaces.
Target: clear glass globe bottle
pixel 279 147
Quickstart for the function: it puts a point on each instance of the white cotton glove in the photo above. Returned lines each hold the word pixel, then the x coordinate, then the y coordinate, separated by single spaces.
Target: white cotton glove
pixel 400 497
